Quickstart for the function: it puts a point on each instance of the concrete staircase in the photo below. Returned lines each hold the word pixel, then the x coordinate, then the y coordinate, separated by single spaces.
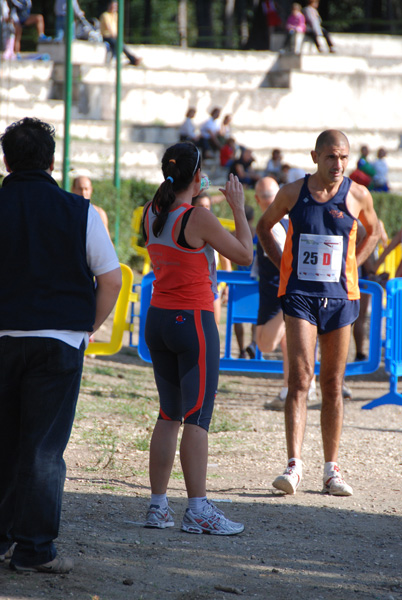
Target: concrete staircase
pixel 277 100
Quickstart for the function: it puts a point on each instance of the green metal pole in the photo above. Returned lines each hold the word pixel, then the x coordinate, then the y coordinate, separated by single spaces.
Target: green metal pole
pixel 116 181
pixel 68 36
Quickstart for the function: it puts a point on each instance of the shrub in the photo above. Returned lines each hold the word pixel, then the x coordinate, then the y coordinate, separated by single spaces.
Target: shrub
pixel 388 207
pixel 133 193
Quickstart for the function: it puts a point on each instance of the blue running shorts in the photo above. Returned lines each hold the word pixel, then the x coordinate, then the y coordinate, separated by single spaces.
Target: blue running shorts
pixel 327 314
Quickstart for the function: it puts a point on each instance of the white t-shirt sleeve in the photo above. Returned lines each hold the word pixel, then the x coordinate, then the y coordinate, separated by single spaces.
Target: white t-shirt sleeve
pixel 279 234
pixel 101 255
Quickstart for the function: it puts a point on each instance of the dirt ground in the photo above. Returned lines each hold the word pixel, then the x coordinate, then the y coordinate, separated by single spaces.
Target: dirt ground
pixel 309 546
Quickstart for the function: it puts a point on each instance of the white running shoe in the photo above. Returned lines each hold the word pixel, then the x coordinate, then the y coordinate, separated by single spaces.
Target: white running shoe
pixel 279 402
pixel 159 517
pixel 211 520
pixel 335 485
pixel 8 554
pixel 289 481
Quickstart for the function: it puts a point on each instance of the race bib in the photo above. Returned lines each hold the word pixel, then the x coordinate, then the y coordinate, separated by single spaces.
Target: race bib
pixel 320 257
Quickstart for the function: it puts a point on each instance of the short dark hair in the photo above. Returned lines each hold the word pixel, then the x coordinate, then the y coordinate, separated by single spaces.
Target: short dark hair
pixel 28 145
pixel 328 138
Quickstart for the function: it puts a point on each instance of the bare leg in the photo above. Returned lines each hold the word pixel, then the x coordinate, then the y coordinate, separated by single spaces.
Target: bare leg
pixel 285 361
pixel 301 339
pixel 194 459
pixel 334 351
pixel 18 34
pixel 358 327
pixel 268 337
pixel 271 333
pixel 162 454
pixel 38 21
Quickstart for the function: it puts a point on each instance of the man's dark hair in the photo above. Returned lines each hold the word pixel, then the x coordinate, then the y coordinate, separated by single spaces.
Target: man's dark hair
pixel 28 145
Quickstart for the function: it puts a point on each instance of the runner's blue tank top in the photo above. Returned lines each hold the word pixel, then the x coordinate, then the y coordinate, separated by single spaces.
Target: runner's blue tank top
pixel 319 258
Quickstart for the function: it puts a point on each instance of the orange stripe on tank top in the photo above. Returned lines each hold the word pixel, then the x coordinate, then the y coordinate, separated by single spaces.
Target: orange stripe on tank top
pixel 202 368
pixel 352 284
pixel 286 261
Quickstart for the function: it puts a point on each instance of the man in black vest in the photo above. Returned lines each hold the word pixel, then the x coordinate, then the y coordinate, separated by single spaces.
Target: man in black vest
pixel 52 244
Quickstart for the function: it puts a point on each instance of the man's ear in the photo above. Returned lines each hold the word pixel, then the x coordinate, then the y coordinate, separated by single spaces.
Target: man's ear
pixel 314 156
pixel 6 164
pixel 51 168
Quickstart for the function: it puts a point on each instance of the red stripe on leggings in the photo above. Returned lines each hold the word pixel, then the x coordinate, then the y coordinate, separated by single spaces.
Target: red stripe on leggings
pixel 202 367
pixel 164 416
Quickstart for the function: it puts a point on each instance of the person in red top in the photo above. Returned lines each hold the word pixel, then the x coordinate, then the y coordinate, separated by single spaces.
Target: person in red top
pixel 181 332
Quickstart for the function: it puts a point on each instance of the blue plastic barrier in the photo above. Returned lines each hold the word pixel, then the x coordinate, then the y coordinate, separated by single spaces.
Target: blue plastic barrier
pixel 393 344
pixel 243 308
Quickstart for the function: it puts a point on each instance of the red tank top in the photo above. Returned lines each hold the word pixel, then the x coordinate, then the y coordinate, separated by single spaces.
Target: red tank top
pixel 184 278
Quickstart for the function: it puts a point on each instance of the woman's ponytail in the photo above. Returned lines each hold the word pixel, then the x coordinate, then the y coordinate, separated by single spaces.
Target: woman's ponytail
pixel 179 165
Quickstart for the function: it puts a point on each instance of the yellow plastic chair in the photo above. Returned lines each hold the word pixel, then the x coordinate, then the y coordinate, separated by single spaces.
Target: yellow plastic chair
pixel 119 320
pixel 227 224
pixel 391 262
pixel 139 250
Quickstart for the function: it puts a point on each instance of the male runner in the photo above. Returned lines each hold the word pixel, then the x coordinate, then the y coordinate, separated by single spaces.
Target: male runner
pixel 320 294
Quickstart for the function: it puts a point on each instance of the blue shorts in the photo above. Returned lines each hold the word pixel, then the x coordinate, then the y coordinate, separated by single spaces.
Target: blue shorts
pixel 327 314
pixel 184 348
pixel 269 305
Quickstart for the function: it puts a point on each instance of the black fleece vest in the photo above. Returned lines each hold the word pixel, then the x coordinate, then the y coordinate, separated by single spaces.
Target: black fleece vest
pixel 45 282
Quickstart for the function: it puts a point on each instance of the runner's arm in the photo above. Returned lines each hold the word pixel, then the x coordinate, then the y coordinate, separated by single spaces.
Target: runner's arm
pixel 369 220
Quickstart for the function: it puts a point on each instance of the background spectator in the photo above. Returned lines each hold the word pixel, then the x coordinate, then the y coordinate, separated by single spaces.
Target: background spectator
pixel 290 174
pixel 22 17
pixel 296 23
pixel 364 171
pixel 227 153
pixel 314 29
pixel 225 131
pixel 7 32
pixel 243 169
pixel 60 10
pixel 187 132
pixel 209 138
pixel 274 165
pixel 108 26
pixel 380 179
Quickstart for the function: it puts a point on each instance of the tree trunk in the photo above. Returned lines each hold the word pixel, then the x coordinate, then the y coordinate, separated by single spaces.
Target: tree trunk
pixel 228 23
pixel 241 16
pixel 259 36
pixel 182 23
pixel 147 28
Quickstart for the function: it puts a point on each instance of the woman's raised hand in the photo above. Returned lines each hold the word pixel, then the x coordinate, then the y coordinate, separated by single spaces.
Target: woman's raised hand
pixel 233 192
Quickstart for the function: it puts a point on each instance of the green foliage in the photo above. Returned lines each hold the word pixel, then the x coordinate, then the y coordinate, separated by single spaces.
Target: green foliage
pixel 388 207
pixel 133 193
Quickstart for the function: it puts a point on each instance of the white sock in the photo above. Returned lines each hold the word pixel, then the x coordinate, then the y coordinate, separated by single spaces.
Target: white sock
pixel 159 500
pixel 196 505
pixel 329 468
pixel 297 463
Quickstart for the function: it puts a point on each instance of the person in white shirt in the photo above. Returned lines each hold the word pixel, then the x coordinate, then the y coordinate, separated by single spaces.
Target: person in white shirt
pixel 53 246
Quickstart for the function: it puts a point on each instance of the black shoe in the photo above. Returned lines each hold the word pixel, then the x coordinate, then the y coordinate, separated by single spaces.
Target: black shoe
pixel 251 349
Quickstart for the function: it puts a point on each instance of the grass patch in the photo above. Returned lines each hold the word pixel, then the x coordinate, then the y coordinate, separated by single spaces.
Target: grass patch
pixel 142 444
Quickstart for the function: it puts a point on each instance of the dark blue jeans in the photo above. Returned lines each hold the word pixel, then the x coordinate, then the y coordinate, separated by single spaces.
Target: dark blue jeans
pixel 39 386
